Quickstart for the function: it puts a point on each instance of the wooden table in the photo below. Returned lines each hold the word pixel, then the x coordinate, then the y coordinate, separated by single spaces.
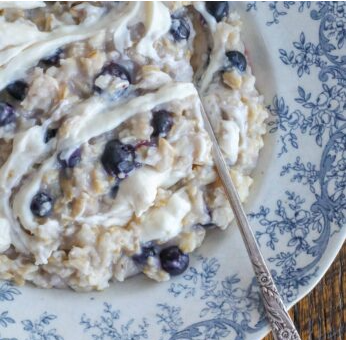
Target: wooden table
pixel 322 314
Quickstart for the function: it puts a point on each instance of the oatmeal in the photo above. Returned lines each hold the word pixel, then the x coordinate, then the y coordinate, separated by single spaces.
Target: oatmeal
pixel 105 166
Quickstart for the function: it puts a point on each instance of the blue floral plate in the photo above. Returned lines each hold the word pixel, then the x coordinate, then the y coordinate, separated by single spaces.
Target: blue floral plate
pixel 297 207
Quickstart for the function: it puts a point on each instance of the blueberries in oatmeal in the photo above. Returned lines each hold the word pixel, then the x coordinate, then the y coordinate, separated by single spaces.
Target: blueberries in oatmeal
pixel 115 188
pixel 218 9
pixel 18 89
pixel 113 79
pixel 7 114
pixel 149 250
pixel 72 160
pixel 180 29
pixel 50 133
pixel 173 260
pixel 208 225
pixel 41 205
pixel 113 135
pixel 162 123
pixel 54 59
pixel 236 60
pixel 118 158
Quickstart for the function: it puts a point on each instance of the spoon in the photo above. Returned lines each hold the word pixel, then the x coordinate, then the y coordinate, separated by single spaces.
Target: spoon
pixel 281 324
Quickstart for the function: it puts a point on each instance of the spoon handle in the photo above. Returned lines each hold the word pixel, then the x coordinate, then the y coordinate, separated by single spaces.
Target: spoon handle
pixel 281 324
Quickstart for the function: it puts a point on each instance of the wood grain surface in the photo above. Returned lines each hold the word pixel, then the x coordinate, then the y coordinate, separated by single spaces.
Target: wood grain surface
pixel 321 315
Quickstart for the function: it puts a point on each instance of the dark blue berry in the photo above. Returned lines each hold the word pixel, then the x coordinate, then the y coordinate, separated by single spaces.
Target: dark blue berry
pixel 208 225
pixel 162 123
pixel 180 29
pixel 7 115
pixel 237 60
pixel 115 189
pixel 118 158
pixel 72 161
pixel 115 70
pixel 18 89
pixel 53 59
pixel 218 9
pixel 173 260
pixel 41 205
pixel 149 250
pixel 50 133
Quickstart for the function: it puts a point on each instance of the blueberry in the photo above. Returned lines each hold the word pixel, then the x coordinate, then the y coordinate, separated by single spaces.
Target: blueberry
pixel 50 133
pixel 173 260
pixel 162 123
pixel 72 161
pixel 53 59
pixel 7 115
pixel 218 9
pixel 180 29
pixel 115 70
pixel 115 189
pixel 41 205
pixel 118 158
pixel 208 225
pixel 236 59
pixel 149 250
pixel 18 89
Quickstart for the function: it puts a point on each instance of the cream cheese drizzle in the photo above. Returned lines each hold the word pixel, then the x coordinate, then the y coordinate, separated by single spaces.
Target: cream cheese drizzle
pixel 28 55
pixel 200 7
pixel 28 148
pixel 121 35
pixel 21 4
pixel 166 222
pixel 17 37
pixel 5 232
pixel 94 119
pixel 136 195
pixel 217 55
pixel 157 23
pixel 25 55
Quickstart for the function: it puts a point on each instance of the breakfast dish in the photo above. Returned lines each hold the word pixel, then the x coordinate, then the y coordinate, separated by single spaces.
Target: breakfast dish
pixel 105 166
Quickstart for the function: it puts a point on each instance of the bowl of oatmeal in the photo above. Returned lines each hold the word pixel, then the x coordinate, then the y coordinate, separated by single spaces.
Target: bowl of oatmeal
pixel 108 192
pixel 106 168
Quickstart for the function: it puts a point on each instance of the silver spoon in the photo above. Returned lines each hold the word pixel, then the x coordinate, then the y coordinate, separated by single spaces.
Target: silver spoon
pixel 281 324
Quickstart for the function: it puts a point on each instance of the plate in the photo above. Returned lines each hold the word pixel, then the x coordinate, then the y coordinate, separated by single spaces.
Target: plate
pixel 297 206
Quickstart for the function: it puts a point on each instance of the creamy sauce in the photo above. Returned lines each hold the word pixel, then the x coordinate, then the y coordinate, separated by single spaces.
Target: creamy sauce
pixel 26 55
pixel 157 23
pixel 17 36
pixel 121 35
pixel 21 4
pixel 94 119
pixel 200 7
pixel 136 194
pixel 28 148
pixel 217 55
pixel 229 140
pixel 166 222
pixel 5 232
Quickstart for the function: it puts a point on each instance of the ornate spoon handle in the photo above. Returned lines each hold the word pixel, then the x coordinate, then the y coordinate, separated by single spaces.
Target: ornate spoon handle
pixel 277 315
